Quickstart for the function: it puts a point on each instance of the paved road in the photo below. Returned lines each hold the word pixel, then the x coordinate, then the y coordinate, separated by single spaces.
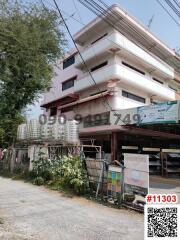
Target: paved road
pixel 29 212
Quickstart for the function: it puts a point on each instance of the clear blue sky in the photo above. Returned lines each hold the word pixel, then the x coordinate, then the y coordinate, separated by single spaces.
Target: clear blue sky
pixel 162 26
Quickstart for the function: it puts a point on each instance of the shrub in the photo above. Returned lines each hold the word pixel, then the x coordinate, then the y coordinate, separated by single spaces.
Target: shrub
pixel 18 169
pixel 31 175
pixel 38 181
pixel 73 174
pixel 47 175
pixel 64 172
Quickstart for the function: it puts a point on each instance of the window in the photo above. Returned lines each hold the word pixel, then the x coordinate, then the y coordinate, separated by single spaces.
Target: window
pixel 67 109
pixel 69 61
pixel 69 83
pixel 134 68
pixel 99 38
pixel 172 88
pixel 157 80
pixel 99 66
pixel 133 97
pixel 53 111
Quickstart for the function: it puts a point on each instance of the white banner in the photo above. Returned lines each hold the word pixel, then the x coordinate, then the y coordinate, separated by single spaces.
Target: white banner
pixel 159 113
pixel 136 170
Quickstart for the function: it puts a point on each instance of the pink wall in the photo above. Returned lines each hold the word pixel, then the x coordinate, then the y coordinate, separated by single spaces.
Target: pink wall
pixel 60 75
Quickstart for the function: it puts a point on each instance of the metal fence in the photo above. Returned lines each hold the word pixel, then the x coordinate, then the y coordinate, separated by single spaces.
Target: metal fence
pixel 97 174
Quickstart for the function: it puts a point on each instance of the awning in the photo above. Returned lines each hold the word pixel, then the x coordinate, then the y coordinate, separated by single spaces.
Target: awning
pixel 87 99
pixel 129 130
pixel 62 101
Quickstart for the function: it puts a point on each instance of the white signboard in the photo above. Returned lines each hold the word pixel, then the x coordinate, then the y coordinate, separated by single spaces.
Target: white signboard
pixel 159 113
pixel 136 172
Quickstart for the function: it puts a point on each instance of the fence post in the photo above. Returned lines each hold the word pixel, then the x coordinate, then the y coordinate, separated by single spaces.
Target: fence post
pixel 12 159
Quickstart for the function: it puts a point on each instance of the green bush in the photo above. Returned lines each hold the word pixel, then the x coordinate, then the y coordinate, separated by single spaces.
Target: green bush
pixel 38 181
pixel 73 174
pixel 18 169
pixel 47 175
pixel 68 172
pixel 31 175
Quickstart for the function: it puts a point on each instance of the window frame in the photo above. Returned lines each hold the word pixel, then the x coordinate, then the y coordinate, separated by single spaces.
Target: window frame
pixel 101 65
pixel 99 38
pixel 66 62
pixel 133 96
pixel 157 80
pixel 133 68
pixel 69 80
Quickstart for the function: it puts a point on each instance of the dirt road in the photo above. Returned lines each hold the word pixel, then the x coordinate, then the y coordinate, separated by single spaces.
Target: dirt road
pixel 35 213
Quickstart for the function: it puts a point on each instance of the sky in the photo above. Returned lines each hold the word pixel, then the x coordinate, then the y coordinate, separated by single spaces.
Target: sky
pixel 162 25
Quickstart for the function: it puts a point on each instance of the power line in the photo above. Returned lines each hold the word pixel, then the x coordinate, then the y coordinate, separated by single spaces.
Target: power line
pixel 171 5
pixel 96 32
pixel 81 22
pixel 168 13
pixel 177 3
pixel 77 11
pixel 117 22
pixel 105 100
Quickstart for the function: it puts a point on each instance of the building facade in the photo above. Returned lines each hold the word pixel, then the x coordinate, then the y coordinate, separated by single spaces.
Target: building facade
pixel 122 68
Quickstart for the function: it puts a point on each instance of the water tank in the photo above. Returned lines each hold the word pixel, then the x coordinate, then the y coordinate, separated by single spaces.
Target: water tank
pixel 34 129
pixel 72 131
pixel 22 132
pixel 48 128
pixel 58 129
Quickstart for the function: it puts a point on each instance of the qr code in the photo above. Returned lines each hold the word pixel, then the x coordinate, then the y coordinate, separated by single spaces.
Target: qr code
pixel 162 222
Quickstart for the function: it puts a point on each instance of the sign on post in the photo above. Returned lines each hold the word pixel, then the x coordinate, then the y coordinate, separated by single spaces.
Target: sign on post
pixel 136 173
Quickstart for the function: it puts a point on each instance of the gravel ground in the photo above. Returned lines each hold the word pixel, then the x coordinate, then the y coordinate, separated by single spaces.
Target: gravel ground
pixel 29 212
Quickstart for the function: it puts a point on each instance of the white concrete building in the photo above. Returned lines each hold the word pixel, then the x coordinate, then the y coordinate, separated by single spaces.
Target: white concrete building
pixel 129 67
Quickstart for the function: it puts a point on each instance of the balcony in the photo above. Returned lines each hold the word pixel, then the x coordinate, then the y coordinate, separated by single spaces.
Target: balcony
pixel 125 76
pixel 116 41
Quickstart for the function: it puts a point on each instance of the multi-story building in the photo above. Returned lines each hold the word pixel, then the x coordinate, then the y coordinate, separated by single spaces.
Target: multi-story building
pixel 124 68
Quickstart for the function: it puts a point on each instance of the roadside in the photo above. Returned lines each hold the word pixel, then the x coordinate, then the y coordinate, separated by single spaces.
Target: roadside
pixel 31 212
pixel 159 185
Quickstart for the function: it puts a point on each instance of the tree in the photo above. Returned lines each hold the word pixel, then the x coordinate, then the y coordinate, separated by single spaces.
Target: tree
pixel 31 41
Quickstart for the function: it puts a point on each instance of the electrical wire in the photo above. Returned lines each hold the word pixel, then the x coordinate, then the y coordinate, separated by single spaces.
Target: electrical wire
pixel 95 55
pixel 114 20
pixel 156 51
pixel 105 99
pixel 83 24
pixel 75 6
pixel 177 3
pixel 73 39
pixel 168 12
pixel 175 10
pixel 96 5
